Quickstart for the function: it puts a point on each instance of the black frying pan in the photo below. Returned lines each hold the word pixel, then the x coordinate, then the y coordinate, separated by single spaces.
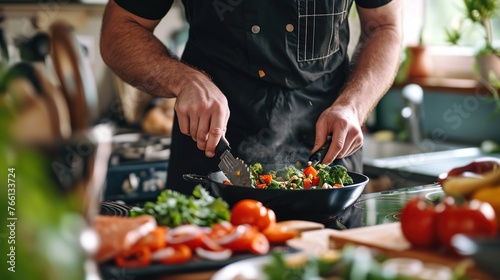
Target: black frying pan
pixel 318 205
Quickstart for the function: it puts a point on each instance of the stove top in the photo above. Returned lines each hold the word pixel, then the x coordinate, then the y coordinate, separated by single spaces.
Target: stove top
pixel 383 207
pixel 139 147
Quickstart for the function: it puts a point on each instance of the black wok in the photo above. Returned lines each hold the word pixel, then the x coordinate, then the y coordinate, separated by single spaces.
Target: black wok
pixel 318 205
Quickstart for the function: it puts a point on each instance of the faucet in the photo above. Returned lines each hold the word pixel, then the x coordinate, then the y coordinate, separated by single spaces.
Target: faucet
pixel 413 95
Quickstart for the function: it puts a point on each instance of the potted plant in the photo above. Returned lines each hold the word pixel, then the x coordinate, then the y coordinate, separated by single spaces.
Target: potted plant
pixel 480 14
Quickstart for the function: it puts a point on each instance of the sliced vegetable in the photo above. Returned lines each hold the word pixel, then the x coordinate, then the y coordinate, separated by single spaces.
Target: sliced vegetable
pixel 137 256
pixel 173 254
pixel 214 255
pixel 190 235
pixel 154 240
pixel 277 234
pixel 260 244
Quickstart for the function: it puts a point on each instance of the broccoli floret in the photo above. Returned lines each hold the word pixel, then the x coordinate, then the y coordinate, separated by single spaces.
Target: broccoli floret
pixel 256 169
pixel 338 174
pixel 324 177
pixel 275 185
pixel 287 172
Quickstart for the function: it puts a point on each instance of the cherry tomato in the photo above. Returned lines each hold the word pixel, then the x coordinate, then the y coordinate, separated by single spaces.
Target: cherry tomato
pixel 220 229
pixel 277 234
pixel 252 212
pixel 473 218
pixel 260 244
pixel 419 223
pixel 240 239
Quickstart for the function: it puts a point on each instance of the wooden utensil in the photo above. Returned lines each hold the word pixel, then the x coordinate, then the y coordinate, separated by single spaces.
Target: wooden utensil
pixel 75 76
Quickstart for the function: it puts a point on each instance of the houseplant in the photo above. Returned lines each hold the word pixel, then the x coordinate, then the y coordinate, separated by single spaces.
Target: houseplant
pixel 480 13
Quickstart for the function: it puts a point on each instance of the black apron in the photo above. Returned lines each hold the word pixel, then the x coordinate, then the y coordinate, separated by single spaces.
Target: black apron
pixel 280 64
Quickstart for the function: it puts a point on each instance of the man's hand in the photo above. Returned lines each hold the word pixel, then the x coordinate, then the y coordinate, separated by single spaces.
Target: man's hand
pixel 202 112
pixel 201 107
pixel 374 67
pixel 342 124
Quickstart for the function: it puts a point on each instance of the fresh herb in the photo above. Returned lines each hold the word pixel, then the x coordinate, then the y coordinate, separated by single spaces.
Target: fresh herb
pixel 173 208
pixel 352 262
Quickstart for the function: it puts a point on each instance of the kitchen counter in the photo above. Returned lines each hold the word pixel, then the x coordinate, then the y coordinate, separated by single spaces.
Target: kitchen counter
pixel 370 209
pixel 407 164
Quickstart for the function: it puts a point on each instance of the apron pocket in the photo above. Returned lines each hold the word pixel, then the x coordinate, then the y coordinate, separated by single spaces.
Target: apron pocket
pixel 318 22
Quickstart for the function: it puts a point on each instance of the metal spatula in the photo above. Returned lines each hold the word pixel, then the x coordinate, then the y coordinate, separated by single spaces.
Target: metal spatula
pixel 235 169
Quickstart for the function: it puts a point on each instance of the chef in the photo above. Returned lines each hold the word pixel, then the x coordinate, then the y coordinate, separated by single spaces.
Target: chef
pixel 272 76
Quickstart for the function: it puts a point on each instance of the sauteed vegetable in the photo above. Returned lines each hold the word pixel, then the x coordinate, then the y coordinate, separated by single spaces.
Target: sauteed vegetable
pixel 291 178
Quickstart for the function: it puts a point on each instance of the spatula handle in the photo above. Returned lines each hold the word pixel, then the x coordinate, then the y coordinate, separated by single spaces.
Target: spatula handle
pixel 317 156
pixel 222 147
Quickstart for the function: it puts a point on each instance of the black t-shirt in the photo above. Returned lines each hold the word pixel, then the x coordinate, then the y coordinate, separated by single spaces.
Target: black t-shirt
pixel 287 43
pixel 280 64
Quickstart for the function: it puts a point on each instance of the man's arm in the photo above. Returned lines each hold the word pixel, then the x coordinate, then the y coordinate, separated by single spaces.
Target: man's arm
pixel 130 49
pixel 374 67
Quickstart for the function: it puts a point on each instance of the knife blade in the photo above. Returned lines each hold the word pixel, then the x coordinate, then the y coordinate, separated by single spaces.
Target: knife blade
pixel 235 169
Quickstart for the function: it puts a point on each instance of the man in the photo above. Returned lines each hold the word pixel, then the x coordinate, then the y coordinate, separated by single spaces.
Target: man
pixel 280 68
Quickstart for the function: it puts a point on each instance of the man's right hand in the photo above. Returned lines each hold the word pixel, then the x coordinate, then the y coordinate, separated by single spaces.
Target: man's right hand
pixel 202 112
pixel 201 107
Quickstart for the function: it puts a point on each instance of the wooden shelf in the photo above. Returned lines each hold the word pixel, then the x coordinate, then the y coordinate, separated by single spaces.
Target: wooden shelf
pixel 451 85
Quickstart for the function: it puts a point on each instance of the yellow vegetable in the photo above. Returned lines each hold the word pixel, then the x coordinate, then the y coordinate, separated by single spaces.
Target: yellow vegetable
pixel 466 186
pixel 490 195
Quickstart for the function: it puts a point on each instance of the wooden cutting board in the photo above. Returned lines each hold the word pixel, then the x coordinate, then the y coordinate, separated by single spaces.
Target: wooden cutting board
pixel 387 238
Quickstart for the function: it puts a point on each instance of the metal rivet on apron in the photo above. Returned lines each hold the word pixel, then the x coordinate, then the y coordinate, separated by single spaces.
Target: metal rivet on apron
pixel 255 29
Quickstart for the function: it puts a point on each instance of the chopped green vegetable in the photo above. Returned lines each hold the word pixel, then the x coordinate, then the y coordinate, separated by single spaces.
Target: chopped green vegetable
pixel 338 174
pixel 287 172
pixel 173 208
pixel 276 185
pixel 256 169
pixel 324 177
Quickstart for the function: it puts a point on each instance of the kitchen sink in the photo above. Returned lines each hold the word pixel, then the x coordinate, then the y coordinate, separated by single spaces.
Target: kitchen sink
pixel 408 164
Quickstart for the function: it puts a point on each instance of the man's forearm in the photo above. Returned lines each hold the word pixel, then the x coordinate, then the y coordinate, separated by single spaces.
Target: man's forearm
pixel 138 57
pixel 374 67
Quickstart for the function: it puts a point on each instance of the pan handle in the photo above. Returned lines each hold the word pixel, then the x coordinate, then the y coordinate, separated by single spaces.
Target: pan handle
pixel 318 155
pixel 196 178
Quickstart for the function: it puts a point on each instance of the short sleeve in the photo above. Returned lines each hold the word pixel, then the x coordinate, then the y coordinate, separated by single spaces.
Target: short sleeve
pixel 148 9
pixel 369 4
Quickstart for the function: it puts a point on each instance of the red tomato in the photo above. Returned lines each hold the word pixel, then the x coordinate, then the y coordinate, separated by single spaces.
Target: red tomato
pixel 315 180
pixel 220 229
pixel 277 234
pixel 419 223
pixel 137 256
pixel 190 235
pixel 154 240
pixel 266 179
pixel 252 212
pixel 473 218
pixel 260 244
pixel 240 239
